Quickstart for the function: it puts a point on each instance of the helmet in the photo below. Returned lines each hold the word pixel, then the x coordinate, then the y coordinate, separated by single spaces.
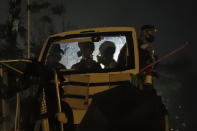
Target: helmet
pixel 84 46
pixel 149 27
pixel 107 47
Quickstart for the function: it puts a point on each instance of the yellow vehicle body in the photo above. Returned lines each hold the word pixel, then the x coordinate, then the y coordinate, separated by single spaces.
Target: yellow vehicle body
pixel 87 85
pixel 80 106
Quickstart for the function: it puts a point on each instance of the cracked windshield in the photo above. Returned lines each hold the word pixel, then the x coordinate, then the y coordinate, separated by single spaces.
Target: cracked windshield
pixel 104 54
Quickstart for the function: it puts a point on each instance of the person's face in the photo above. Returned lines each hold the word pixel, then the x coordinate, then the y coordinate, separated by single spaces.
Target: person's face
pixel 101 58
pixel 104 58
pixel 58 56
pixel 149 35
pixel 87 53
pixel 55 57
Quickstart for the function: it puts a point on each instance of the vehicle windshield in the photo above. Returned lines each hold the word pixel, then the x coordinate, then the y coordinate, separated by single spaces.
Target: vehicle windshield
pixel 102 52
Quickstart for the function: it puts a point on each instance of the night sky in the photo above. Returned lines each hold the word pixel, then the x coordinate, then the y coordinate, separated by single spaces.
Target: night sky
pixel 176 21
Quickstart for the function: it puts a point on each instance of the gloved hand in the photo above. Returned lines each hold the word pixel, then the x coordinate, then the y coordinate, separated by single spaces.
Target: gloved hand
pixel 61 117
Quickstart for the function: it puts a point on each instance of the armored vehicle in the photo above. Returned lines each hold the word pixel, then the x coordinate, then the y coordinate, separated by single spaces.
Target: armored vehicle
pixel 97 69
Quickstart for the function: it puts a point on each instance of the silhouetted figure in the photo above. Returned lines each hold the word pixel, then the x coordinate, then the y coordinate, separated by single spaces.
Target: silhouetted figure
pixel 107 50
pixel 147 37
pixel 39 77
pixel 87 62
pixel 122 57
pixel 146 56
pixel 54 58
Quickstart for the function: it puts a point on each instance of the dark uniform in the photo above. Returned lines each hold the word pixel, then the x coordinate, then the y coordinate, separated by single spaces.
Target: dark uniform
pixel 86 64
pixel 145 55
pixel 42 79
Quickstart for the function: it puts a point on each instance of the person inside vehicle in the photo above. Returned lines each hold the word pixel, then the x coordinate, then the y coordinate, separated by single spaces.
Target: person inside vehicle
pixel 87 62
pixel 54 57
pixel 122 57
pixel 107 50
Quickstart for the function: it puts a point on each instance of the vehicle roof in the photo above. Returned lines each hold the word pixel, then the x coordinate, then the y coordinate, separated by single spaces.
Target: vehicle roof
pixel 94 30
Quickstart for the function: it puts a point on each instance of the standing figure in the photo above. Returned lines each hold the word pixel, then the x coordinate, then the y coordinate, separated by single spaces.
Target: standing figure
pixel 146 54
pixel 43 104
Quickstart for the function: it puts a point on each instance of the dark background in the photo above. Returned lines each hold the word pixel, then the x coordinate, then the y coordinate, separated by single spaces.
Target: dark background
pixel 175 19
